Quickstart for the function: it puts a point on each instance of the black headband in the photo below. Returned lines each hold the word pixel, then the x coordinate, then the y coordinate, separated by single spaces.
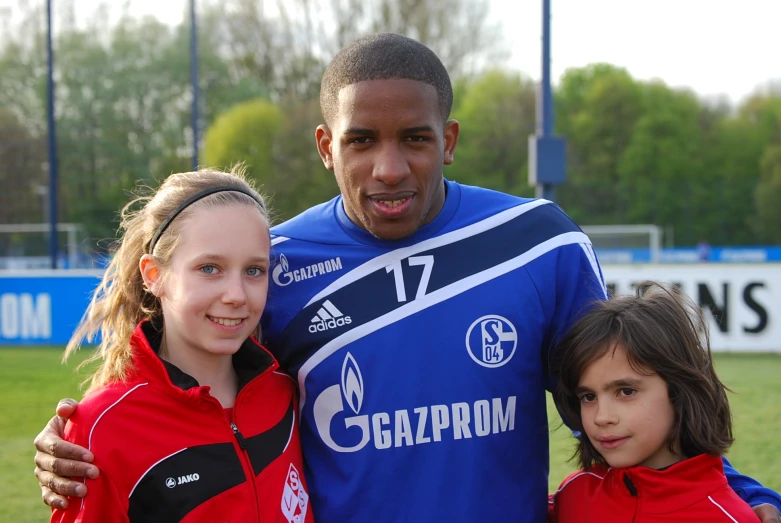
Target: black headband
pixel 194 198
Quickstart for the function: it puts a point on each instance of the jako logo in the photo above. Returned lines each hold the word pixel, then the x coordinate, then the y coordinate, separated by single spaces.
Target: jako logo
pixel 328 317
pixel 171 482
pixel 491 341
pixel 282 275
pixel 402 428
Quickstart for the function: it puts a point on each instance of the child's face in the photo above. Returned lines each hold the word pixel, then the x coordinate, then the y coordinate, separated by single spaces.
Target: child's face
pixel 214 290
pixel 626 415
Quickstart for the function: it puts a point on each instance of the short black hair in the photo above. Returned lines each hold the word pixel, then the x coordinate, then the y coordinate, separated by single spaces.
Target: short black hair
pixel 664 332
pixel 384 56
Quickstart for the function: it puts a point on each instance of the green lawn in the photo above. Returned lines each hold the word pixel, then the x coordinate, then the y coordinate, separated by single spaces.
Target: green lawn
pixel 32 380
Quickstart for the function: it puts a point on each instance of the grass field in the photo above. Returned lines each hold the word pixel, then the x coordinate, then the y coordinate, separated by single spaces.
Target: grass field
pixel 32 380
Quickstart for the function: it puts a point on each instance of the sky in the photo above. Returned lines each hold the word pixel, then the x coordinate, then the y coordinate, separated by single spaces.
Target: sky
pixel 715 47
pixel 718 48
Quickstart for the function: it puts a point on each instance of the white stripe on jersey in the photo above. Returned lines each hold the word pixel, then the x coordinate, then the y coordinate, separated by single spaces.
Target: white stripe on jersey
pixel 431 299
pixel 97 420
pixel 278 240
pixel 723 510
pixel 592 258
pixel 386 259
pixel 570 480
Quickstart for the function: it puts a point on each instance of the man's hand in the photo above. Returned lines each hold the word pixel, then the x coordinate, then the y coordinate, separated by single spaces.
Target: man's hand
pixel 57 458
pixel 767 513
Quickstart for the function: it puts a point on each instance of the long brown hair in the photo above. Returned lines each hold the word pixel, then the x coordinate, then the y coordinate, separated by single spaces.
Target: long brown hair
pixel 663 332
pixel 121 300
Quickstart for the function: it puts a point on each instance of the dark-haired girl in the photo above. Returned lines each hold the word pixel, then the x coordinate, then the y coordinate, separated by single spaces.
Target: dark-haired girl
pixel 637 380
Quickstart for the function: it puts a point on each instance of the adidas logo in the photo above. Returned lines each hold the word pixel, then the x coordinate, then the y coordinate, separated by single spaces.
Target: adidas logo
pixel 328 317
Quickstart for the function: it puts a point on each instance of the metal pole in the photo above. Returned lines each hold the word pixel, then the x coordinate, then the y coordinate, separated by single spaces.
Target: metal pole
pixel 194 80
pixel 545 122
pixel 545 103
pixel 52 142
pixel 547 153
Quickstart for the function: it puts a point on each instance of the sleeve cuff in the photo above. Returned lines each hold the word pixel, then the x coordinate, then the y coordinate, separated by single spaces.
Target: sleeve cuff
pixel 762 499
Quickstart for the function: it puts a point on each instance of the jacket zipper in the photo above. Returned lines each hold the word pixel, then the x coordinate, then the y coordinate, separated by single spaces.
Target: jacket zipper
pixel 633 491
pixel 243 442
pixel 244 456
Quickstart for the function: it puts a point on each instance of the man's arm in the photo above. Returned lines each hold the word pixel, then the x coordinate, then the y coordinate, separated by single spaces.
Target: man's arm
pixel 765 502
pixel 56 458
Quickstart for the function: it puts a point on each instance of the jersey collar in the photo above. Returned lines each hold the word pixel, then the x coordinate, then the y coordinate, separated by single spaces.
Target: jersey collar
pixel 671 489
pixel 431 229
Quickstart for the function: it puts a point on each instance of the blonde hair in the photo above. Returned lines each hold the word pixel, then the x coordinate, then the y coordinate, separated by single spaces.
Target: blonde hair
pixel 121 300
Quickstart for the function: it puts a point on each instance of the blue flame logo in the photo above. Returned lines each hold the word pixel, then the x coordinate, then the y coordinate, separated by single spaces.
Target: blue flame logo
pixel 352 383
pixel 280 274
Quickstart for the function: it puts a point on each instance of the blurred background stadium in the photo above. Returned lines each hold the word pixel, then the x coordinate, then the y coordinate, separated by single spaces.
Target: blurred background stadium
pixel 673 179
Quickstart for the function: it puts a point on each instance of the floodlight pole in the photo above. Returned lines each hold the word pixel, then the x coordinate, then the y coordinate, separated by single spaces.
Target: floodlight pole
pixel 547 153
pixel 194 80
pixel 52 141
pixel 545 116
pixel 545 123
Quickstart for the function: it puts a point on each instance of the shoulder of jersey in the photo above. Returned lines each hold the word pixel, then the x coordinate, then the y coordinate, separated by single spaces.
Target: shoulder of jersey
pixel 478 204
pixel 582 479
pixel 97 403
pixel 316 224
pixel 473 195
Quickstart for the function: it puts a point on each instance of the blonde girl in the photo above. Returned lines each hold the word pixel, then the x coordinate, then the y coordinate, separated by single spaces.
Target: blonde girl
pixel 187 416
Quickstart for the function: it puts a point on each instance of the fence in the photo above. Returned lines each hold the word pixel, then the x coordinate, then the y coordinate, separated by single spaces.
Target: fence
pixel 742 302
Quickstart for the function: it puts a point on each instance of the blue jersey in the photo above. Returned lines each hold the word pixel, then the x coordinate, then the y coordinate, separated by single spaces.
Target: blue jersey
pixel 422 363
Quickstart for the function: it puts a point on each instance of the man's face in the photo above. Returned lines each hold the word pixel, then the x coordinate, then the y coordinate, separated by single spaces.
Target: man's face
pixel 387 146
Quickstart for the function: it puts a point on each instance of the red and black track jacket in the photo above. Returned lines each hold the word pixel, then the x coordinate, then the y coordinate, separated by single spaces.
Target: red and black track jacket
pixel 167 452
pixel 693 490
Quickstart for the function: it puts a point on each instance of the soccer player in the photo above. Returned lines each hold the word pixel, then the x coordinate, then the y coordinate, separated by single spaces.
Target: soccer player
pixel 417 314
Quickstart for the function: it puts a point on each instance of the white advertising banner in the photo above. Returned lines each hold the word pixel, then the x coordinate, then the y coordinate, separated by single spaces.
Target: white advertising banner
pixel 742 302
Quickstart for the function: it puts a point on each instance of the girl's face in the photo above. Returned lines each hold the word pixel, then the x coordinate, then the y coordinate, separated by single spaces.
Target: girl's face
pixel 627 416
pixel 214 290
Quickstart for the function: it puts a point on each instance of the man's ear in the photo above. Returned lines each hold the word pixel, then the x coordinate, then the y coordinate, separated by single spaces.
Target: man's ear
pixel 324 144
pixel 452 129
pixel 150 272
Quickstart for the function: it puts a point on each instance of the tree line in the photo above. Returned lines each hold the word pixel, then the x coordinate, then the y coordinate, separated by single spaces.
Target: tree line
pixel 638 152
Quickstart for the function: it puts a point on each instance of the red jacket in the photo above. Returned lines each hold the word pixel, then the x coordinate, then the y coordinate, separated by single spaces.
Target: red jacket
pixel 693 490
pixel 167 452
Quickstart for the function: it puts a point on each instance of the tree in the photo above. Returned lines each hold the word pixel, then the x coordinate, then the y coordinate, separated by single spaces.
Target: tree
pixel 456 30
pixel 497 115
pixel 598 108
pixel 289 52
pixel 246 133
pixel 277 148
pixel 661 169
pixel 123 104
pixel 745 139
pixel 768 195
pixel 22 173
